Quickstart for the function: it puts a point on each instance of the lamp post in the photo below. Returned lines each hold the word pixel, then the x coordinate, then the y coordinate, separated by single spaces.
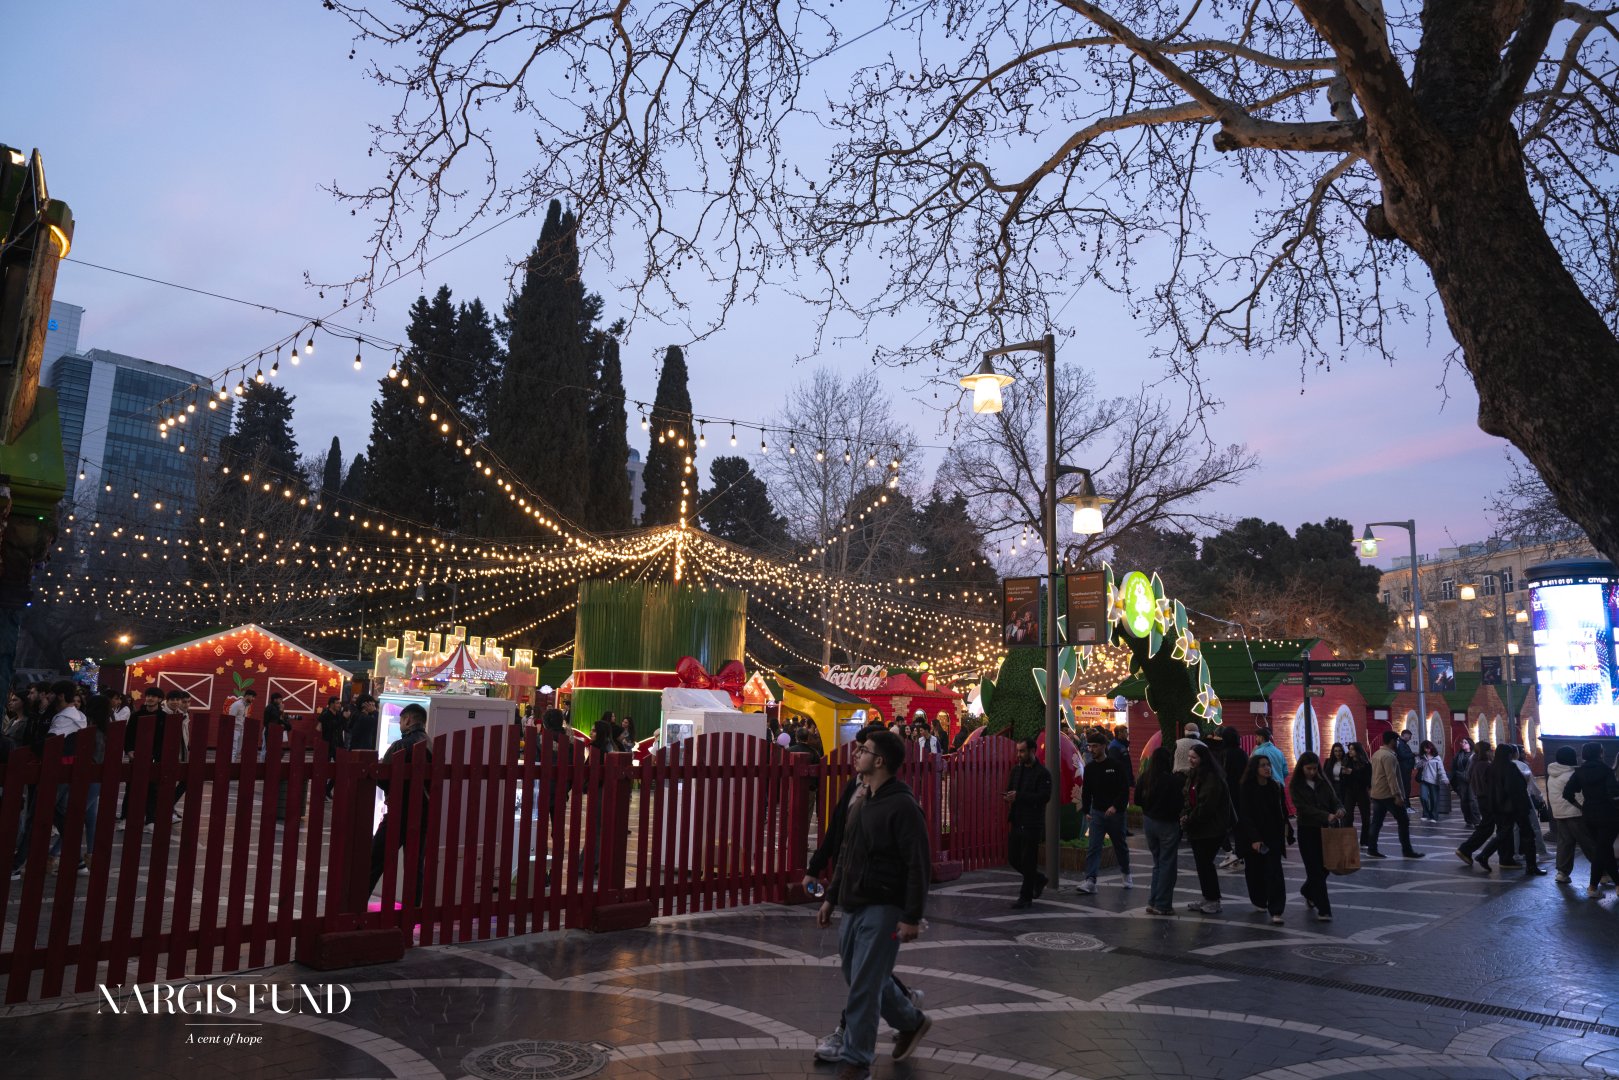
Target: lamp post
pixel 986 384
pixel 1368 549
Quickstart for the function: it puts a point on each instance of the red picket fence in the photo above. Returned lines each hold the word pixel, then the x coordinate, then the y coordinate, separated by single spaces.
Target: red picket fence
pixel 511 837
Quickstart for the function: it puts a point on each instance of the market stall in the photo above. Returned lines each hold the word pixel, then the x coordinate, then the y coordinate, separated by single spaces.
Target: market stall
pixel 900 695
pixel 837 713
pixel 214 667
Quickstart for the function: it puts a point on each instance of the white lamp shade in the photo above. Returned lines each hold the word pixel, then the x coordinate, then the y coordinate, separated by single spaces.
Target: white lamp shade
pixel 1521 616
pixel 1467 592
pixel 1087 520
pixel 1512 648
pixel 986 394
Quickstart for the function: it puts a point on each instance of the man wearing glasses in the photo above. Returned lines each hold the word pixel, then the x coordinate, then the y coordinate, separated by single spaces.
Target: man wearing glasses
pixel 881 883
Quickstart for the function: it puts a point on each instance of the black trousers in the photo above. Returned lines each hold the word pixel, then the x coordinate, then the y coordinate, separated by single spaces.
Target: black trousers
pixel 380 853
pixel 1603 834
pixel 1359 799
pixel 1208 878
pixel 1402 822
pixel 1464 795
pixel 1314 888
pixel 1483 834
pixel 1267 888
pixel 1023 852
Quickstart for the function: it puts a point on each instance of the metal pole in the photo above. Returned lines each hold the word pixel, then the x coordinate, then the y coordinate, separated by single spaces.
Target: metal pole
pixel 1053 733
pixel 1416 621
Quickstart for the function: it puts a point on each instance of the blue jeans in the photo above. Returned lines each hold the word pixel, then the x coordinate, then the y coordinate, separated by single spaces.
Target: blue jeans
pixel 1113 827
pixel 92 807
pixel 869 947
pixel 1429 794
pixel 1163 838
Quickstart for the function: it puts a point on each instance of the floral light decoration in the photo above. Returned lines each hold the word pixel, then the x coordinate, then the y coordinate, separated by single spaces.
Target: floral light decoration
pixel 1127 612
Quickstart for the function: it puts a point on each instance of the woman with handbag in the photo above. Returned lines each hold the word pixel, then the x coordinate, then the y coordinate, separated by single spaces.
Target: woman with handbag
pixel 1263 833
pixel 1318 809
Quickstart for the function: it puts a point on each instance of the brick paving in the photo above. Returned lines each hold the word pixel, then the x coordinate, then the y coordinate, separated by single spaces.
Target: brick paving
pixel 1430 969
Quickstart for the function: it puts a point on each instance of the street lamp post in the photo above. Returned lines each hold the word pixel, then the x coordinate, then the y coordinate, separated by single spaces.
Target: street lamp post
pixel 986 384
pixel 1368 549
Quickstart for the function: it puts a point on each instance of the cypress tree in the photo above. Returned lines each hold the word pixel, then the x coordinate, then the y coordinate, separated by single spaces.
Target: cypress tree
pixel 610 508
pixel 670 479
pixel 355 487
pixel 737 508
pixel 416 470
pixel 539 422
pixel 332 476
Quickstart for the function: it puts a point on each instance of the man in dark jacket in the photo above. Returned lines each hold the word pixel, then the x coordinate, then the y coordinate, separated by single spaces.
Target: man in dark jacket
pixel 410 804
pixel 1234 760
pixel 881 884
pixel 149 715
pixel 830 1047
pixel 1028 790
pixel 1594 788
pixel 1104 799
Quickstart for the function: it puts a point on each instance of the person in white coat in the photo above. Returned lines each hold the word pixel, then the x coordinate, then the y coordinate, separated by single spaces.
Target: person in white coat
pixel 1567 817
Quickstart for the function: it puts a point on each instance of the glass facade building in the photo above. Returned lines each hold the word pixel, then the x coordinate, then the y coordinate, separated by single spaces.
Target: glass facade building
pixel 110 407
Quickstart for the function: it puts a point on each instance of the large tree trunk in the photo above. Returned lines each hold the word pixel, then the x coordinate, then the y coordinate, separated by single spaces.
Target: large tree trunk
pixel 1544 362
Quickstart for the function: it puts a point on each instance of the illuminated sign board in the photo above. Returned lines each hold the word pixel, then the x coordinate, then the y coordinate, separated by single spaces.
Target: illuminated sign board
pixel 1573 618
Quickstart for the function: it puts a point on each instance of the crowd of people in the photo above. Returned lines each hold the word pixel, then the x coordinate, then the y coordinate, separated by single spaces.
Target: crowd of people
pixel 1209 793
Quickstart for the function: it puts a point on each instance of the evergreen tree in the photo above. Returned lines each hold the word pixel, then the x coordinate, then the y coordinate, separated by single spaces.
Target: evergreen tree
pixel 478 357
pixel 610 508
pixel 416 469
pixel 737 508
pixel 670 480
pixel 356 486
pixel 262 436
pixel 539 422
pixel 331 479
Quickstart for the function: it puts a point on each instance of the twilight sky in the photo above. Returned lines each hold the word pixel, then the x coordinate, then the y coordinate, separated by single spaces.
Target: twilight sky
pixel 193 139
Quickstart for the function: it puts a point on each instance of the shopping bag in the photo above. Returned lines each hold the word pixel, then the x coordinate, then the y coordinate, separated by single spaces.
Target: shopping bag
pixel 1340 851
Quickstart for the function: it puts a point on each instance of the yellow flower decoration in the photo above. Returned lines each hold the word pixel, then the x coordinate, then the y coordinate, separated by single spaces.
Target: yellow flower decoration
pixel 219 671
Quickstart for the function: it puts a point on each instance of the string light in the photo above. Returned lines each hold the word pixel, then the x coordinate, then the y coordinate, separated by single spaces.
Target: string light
pixel 733 434
pixel 356 354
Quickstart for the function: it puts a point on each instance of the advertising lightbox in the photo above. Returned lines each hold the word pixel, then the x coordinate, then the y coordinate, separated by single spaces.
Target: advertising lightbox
pixel 1573 609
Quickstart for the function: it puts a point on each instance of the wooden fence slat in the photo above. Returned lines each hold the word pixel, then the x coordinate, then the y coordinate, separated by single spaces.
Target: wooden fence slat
pixel 157 865
pixel 246 777
pixel 287 850
pixel 192 764
pixel 33 891
pixel 258 934
pixel 91 931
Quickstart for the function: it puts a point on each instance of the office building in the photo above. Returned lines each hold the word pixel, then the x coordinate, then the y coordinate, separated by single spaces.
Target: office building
pixel 110 405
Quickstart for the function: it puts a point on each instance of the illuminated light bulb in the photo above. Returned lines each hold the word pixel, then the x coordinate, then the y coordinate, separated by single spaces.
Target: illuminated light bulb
pixel 258 376
pixel 309 346
pixel 292 353
pixel 846 457
pixel 444 428
pixel 820 453
pixel 191 407
pixel 275 369
pixel 792 447
pixel 224 394
pixel 702 437
pixel 404 380
pixel 433 416
pixel 763 449
pixel 733 434
pixel 421 399
pixel 871 461
pixel 393 372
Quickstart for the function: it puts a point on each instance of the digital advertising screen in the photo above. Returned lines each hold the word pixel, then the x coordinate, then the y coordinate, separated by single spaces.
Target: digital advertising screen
pixel 1573 623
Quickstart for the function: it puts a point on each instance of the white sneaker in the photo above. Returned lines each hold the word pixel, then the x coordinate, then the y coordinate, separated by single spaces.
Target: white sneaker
pixel 1322 918
pixel 1129 882
pixel 1087 887
pixel 1230 862
pixel 830 1048
pixel 1209 907
pixel 1562 878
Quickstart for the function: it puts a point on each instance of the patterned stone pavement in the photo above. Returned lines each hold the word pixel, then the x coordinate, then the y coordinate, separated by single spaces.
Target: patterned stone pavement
pixel 1430 969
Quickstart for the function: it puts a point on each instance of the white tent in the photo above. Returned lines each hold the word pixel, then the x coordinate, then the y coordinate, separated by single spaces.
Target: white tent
pixel 688 712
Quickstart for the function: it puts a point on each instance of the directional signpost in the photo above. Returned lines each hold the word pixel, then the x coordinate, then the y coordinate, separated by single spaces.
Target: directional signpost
pixel 1313 675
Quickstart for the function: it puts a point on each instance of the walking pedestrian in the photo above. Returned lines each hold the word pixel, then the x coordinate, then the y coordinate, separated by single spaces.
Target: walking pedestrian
pixel 1104 799
pixel 1028 790
pixel 1406 760
pixel 881 883
pixel 1594 787
pixel 1483 839
pixel 1336 768
pixel 1358 790
pixel 1204 822
pixel 830 1047
pixel 1388 798
pixel 1318 808
pixel 153 715
pixel 1567 817
pixel 1229 755
pixel 1162 796
pixel 1264 836
pixel 1509 792
pixel 1430 774
pixel 238 714
pixel 410 805
pixel 1460 765
pixel 1278 763
pixel 1191 735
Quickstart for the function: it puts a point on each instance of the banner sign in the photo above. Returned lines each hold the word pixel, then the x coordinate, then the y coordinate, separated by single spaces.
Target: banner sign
pixel 1020 606
pixel 1399 666
pixel 1441 672
pixel 1489 670
pixel 1087 608
pixel 1523 670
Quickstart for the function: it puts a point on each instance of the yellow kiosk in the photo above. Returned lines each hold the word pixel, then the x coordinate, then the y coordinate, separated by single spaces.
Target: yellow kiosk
pixel 837 713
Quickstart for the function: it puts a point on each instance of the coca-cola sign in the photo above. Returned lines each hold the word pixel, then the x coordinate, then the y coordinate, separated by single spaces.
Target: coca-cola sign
pixel 864 677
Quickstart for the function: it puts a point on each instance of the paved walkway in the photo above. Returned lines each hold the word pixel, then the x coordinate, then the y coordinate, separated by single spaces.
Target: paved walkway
pixel 1430 969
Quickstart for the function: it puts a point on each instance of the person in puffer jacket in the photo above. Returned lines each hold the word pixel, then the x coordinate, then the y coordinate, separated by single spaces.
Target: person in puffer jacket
pixel 1567 817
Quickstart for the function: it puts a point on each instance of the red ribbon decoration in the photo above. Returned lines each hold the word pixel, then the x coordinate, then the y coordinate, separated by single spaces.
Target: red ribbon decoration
pixel 689 673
